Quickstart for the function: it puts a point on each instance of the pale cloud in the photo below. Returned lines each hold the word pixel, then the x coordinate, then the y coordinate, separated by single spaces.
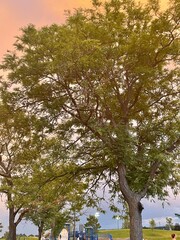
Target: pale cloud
pixel 159 212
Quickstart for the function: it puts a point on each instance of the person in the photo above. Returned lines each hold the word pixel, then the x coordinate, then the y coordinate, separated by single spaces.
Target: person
pixel 173 236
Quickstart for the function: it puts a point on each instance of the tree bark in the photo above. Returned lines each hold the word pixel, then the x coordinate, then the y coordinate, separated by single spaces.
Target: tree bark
pixel 40 229
pixel 12 225
pixel 135 210
pixel 135 206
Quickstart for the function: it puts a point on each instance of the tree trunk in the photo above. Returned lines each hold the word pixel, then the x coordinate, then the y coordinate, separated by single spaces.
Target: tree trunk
pixel 40 229
pixel 135 210
pixel 12 225
pixel 135 206
pixel 74 225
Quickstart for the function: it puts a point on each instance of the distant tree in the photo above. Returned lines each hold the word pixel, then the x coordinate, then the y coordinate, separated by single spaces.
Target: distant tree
pixel 169 223
pixel 177 227
pixel 6 235
pixel 1 227
pixel 93 222
pixel 58 201
pixel 76 200
pixel 125 216
pixel 152 224
pixel 47 216
pixel 126 222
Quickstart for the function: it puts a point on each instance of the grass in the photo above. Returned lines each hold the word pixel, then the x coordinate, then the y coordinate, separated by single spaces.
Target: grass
pixel 23 238
pixel 148 234
pixel 116 233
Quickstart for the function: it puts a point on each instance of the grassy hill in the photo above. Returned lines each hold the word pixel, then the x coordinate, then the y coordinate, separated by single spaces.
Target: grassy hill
pixel 148 234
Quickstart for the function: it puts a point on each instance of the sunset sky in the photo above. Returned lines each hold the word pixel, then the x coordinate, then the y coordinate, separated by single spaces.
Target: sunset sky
pixel 15 14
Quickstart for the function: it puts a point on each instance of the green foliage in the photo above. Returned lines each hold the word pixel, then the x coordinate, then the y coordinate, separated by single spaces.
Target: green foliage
pixel 6 235
pixel 17 153
pixel 106 75
pixel 125 217
pixel 101 94
pixel 152 224
pixel 93 222
pixel 1 226
pixel 169 223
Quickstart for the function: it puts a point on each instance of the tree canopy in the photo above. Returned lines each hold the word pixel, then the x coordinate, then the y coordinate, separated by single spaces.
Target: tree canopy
pixel 92 221
pixel 26 172
pixel 106 83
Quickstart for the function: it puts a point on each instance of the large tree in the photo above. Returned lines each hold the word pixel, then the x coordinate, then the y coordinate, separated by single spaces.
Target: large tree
pixel 107 81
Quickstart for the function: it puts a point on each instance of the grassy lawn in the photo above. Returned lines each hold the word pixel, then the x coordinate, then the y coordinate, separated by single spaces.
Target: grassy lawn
pixel 124 233
pixel 117 233
pixel 148 234
pixel 23 238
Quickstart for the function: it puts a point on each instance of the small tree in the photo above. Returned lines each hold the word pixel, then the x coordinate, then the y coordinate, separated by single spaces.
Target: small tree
pixel 92 221
pixel 125 217
pixel 152 224
pixel 177 227
pixel 169 223
pixel 1 226
pixel 6 235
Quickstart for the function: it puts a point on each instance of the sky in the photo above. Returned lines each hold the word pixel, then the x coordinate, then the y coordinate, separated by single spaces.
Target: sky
pixel 15 14
pixel 152 210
